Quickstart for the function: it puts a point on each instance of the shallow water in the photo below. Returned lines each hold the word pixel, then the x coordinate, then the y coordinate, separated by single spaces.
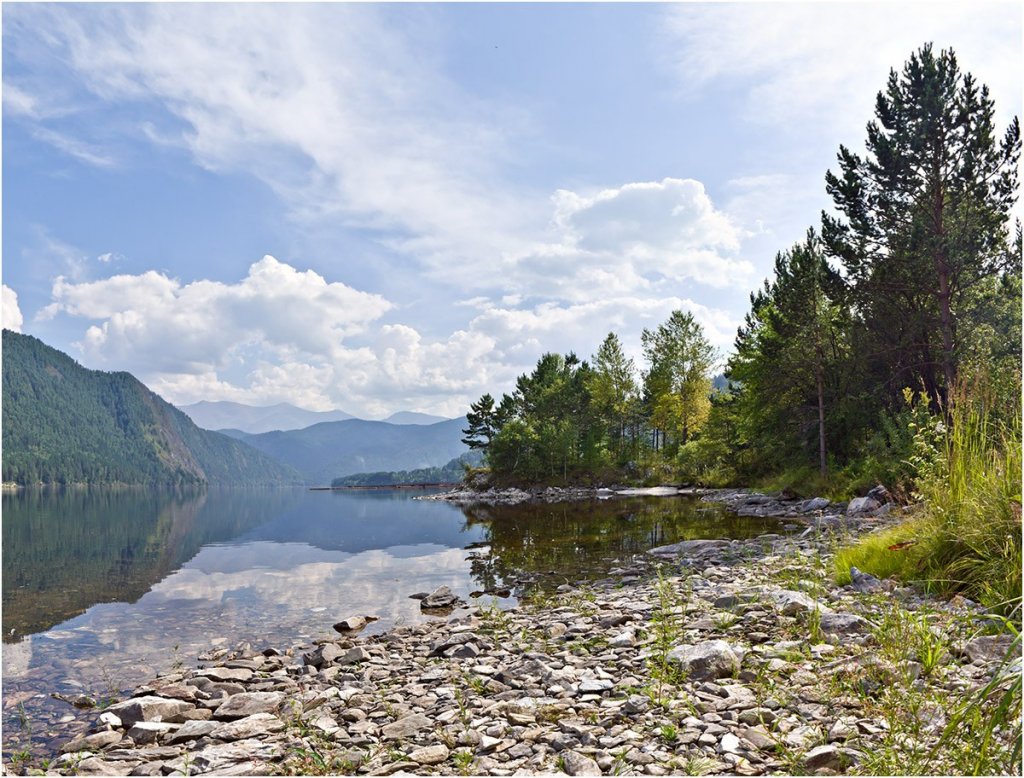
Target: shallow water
pixel 103 589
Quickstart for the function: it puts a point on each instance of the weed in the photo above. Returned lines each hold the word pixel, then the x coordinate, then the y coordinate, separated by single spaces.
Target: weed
pixel 463 760
pixel 668 732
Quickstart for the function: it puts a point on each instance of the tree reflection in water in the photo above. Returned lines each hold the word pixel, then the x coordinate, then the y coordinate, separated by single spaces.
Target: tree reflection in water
pixel 554 543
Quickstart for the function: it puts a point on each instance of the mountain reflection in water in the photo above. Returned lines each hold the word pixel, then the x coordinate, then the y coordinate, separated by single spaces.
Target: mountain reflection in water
pixel 103 589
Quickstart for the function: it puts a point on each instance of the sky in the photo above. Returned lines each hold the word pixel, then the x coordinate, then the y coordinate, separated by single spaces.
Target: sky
pixel 384 207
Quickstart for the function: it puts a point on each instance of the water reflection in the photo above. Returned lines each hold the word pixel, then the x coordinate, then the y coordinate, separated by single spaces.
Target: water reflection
pixel 103 589
pixel 548 544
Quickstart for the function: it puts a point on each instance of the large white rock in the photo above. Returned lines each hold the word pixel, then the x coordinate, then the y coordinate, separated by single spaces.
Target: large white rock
pixel 707 661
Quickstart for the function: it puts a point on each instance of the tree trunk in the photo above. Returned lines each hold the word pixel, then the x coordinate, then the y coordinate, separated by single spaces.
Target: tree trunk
pixel 822 458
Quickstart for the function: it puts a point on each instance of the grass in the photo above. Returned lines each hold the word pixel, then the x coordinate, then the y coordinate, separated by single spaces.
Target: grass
pixel 966 535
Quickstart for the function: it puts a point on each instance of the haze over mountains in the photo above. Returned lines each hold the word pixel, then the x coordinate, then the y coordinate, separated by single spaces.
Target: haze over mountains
pixel 254 419
pixel 328 450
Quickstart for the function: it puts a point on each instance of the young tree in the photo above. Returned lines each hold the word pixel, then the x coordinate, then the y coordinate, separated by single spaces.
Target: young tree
pixel 791 342
pixel 677 385
pixel 923 217
pixel 483 423
pixel 613 390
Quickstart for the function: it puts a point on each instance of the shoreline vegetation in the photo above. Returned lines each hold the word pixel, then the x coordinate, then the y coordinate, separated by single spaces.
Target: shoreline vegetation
pixel 705 657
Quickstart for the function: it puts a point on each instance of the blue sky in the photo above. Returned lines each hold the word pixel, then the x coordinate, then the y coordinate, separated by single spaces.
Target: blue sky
pixel 386 207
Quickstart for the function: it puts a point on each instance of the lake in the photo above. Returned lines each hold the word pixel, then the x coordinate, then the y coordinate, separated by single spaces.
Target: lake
pixel 103 589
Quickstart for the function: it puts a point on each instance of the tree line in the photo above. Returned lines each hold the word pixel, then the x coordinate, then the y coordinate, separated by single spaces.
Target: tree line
pixel 907 291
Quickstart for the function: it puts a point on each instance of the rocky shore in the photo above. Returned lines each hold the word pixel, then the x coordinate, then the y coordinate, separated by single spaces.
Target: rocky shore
pixel 704 657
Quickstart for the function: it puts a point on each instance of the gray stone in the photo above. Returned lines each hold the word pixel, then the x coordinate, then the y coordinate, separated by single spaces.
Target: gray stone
pixel 687 547
pixel 251 726
pixel 864 582
pixel 441 597
pixel 729 743
pixel 95 742
pixel 813 504
pixel 595 686
pixel 706 661
pixel 247 703
pixel 862 505
pixel 148 708
pixel 225 674
pixel 430 755
pixel 405 727
pixel 828 757
pixel 191 730
pixel 450 641
pixel 353 655
pixel 991 648
pixel 575 763
pixel 844 624
pixel 146 732
pixel 623 639
pixel 791 603
pixel 243 757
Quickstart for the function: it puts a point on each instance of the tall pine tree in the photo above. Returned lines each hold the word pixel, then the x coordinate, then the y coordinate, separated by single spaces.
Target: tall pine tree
pixel 923 217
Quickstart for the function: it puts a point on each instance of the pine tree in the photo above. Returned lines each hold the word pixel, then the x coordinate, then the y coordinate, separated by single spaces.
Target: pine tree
pixel 923 217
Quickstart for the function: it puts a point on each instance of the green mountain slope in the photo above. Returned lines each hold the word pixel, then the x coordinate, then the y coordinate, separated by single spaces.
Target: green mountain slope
pixel 330 450
pixel 65 424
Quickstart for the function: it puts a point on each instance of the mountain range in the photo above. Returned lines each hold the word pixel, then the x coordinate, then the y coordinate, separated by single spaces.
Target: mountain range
pixel 333 449
pixel 65 424
pixel 254 419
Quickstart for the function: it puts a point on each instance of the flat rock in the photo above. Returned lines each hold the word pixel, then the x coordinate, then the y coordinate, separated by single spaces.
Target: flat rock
pixel 575 763
pixel 191 730
pixel 429 755
pixel 146 732
pixel 405 727
pixel 248 703
pixel 441 597
pixel 148 708
pixel 243 757
pixel 94 742
pixel 991 648
pixel 256 725
pixel 790 603
pixel 686 547
pixel 844 624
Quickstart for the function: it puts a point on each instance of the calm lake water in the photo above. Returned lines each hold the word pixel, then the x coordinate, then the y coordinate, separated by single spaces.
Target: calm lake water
pixel 103 589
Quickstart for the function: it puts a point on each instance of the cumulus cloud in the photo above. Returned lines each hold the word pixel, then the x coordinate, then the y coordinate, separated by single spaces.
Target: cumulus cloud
pixel 12 319
pixel 285 334
pixel 159 324
pixel 638 237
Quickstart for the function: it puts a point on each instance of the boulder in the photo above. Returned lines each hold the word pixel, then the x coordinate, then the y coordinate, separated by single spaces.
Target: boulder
pixel 990 648
pixel 861 505
pixel 148 708
pixel 706 661
pixel 254 726
pixel 844 624
pixel 813 504
pixel 790 603
pixel 864 582
pixel 441 597
pixel 430 755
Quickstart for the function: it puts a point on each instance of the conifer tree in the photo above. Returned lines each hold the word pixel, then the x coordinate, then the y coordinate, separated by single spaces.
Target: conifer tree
pixel 923 216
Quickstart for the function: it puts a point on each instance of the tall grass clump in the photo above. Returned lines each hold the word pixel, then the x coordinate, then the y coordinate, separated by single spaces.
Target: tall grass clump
pixel 965 536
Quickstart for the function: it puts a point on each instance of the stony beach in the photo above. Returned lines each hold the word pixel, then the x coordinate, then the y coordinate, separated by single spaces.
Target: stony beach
pixel 705 657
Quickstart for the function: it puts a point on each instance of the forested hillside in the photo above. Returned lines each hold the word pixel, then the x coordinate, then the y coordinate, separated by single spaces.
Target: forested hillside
pixel 64 424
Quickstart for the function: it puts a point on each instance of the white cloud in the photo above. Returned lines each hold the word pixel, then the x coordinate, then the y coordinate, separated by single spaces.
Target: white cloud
pixel 637 237
pixel 12 319
pixel 283 334
pixel 155 323
pixel 343 112
pixel 816 67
